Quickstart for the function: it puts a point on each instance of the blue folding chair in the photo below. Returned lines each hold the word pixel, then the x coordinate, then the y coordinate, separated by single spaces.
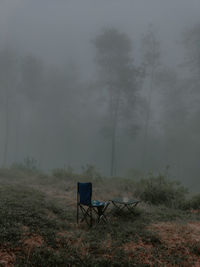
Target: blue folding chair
pixel 87 205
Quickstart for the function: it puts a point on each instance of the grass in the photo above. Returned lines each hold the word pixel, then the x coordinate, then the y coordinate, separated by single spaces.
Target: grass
pixel 38 226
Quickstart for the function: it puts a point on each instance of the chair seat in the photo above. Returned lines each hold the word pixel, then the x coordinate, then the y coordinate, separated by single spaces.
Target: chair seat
pixel 97 203
pixel 90 209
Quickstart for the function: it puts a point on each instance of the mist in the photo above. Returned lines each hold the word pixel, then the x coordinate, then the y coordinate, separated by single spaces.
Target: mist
pixel 54 94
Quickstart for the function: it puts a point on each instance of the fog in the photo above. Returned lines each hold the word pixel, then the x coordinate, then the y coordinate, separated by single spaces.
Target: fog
pixel 55 100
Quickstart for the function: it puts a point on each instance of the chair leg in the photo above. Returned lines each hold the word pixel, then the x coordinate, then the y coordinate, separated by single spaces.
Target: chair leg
pixel 101 213
pixel 86 214
pixel 77 215
pixel 90 216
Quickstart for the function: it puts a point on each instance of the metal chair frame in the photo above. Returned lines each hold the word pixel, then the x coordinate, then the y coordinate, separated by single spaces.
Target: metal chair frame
pixel 87 210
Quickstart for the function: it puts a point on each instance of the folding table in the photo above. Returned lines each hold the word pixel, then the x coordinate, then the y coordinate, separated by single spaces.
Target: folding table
pixel 123 202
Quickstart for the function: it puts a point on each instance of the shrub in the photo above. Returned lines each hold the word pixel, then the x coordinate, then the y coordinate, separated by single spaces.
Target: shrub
pixel 134 174
pixel 195 202
pixel 63 173
pixel 160 190
pixel 90 172
pixel 192 203
pixel 28 165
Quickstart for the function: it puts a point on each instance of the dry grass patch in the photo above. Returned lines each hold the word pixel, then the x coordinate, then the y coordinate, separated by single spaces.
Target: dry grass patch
pixel 140 251
pixel 180 239
pixel 7 258
pixel 173 233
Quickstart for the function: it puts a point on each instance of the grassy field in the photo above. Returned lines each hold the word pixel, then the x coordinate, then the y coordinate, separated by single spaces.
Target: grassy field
pixel 38 224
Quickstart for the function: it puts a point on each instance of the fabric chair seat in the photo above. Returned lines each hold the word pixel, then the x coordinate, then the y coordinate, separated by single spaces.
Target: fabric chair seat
pixel 87 205
pixel 96 203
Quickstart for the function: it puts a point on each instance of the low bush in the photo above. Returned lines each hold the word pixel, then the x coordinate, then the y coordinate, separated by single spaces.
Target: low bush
pixel 195 202
pixel 192 203
pixel 63 173
pixel 90 171
pixel 159 190
pixel 29 165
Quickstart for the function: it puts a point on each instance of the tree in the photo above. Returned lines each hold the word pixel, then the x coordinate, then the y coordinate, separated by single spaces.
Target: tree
pixel 62 112
pixel 29 89
pixel 31 78
pixel 119 80
pixel 192 62
pixel 191 40
pixel 151 60
pixel 174 117
pixel 8 81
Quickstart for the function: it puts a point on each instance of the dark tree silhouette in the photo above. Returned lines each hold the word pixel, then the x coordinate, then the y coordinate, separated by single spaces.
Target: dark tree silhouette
pixel 118 78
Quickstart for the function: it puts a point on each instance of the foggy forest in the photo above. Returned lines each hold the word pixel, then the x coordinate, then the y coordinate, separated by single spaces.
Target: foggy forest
pixel 106 87
pixel 55 95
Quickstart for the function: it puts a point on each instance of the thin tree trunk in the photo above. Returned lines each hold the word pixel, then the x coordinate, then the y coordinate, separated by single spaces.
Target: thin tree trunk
pixel 18 122
pixel 113 148
pixel 114 132
pixel 6 134
pixel 146 129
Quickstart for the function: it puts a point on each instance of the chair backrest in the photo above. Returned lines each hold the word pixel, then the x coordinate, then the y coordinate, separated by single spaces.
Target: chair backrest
pixel 84 191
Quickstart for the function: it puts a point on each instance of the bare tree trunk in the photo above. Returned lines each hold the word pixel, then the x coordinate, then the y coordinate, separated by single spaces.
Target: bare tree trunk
pixel 113 148
pixel 6 133
pixel 18 122
pixel 114 133
pixel 146 129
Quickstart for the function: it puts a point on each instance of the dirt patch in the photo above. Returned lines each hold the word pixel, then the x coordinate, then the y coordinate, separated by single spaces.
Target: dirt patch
pixel 141 252
pixel 7 258
pixel 195 230
pixel 179 243
pixel 173 233
pixel 181 239
pixel 33 241
pixel 72 241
